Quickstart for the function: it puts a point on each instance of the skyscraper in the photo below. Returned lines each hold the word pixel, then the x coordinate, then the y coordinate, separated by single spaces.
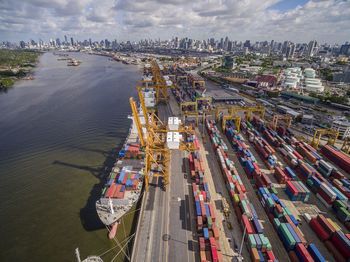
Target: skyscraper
pixel 72 41
pixel 65 39
pixel 311 46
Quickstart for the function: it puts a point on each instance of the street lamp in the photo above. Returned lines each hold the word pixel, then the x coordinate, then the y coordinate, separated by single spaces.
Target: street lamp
pixel 249 216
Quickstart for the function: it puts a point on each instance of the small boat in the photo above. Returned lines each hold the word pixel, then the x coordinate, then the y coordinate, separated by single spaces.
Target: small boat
pixel 73 62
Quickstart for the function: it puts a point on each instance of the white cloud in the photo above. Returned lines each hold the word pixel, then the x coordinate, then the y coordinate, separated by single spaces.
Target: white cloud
pixel 325 20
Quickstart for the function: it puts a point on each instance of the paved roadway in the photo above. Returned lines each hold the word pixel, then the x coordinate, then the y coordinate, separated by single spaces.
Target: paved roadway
pixel 165 231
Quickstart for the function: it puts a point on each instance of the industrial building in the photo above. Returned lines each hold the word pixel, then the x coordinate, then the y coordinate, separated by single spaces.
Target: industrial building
pixel 342 126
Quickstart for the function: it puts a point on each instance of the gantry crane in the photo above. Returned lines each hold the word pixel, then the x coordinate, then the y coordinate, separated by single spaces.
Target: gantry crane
pixel 288 120
pixel 332 137
pixel 346 145
pixel 157 142
pixel 158 82
pixel 247 109
pixel 260 110
pixel 235 118
pixel 221 108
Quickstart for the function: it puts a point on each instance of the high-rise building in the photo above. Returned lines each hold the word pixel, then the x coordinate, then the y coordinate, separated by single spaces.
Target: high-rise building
pixel 65 39
pixel 90 41
pixel 72 41
pixel 345 49
pixel 58 42
pixel 311 47
pixel 22 44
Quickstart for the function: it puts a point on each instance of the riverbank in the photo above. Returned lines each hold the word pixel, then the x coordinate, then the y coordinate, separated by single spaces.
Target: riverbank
pixel 16 65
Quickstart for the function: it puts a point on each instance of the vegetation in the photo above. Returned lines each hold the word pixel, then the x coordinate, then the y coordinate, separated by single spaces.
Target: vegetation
pixel 330 98
pixel 327 73
pixel 15 59
pixel 19 58
pixel 273 94
pixel 222 70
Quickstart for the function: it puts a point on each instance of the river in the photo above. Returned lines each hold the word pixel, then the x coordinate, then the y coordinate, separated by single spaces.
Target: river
pixel 58 135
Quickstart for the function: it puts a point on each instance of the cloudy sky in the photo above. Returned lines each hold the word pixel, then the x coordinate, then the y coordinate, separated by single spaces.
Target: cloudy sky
pixel 296 20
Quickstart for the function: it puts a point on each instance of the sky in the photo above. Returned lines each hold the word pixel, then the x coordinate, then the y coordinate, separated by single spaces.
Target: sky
pixel 257 20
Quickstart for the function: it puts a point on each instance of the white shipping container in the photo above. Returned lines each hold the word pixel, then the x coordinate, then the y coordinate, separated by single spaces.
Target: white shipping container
pixel 307 217
pixel 200 196
pixel 328 191
pixel 325 164
pixel 292 156
pixel 283 151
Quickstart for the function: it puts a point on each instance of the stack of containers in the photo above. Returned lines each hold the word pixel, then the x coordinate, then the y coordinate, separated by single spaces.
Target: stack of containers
pixel 266 152
pixel 308 152
pixel 330 186
pixel 132 151
pixel 117 185
pixel 196 167
pixel 289 154
pixel 258 245
pixel 179 94
pixel 284 222
pixel 325 168
pixel 285 175
pixel 297 191
pixel 209 244
pixel 335 240
pixel 338 157
pixel 287 227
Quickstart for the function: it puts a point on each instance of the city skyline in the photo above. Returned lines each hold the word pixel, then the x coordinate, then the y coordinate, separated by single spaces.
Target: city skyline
pixel 299 21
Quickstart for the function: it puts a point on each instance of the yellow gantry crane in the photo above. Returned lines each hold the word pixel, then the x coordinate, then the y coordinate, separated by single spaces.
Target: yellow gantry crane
pixel 158 82
pixel 232 111
pixel 235 118
pixel 288 120
pixel 332 137
pixel 156 141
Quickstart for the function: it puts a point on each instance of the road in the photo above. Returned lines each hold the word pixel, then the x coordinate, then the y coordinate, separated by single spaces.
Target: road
pixel 165 231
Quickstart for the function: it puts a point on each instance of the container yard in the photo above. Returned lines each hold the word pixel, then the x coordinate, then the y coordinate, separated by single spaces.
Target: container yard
pixel 246 190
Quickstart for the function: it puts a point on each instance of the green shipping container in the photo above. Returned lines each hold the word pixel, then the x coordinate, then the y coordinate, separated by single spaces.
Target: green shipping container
pixel 345 213
pixel 236 198
pixel 289 237
pixel 263 240
pixel 210 222
pixel 104 191
pixel 339 204
pixel 277 222
pixel 251 240
pixel 113 175
pixel 273 190
pixel 270 202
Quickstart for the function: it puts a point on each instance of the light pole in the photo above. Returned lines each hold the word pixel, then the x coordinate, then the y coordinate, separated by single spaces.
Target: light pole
pixel 249 216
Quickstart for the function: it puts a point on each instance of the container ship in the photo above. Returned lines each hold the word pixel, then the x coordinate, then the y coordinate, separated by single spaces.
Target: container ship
pixel 124 184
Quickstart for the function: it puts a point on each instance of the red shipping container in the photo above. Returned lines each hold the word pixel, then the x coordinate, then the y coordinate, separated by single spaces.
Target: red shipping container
pixel 214 254
pixel 204 196
pixel 111 190
pixel 304 253
pixel 246 223
pixel 270 255
pixel 215 233
pixel 212 214
pixel 337 255
pixel 292 256
pixel 203 209
pixel 201 244
pixel 340 246
pixel 321 233
pixel 325 224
